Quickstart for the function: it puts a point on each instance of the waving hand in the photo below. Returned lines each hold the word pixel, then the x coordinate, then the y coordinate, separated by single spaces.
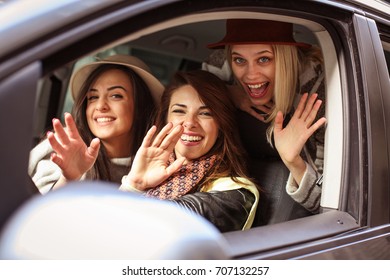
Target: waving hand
pixel 71 153
pixel 150 165
pixel 289 141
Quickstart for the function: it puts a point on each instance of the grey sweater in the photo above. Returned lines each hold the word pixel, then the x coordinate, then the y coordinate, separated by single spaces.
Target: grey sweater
pixel 45 173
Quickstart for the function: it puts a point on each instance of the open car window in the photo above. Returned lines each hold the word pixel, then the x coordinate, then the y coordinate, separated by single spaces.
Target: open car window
pixel 180 44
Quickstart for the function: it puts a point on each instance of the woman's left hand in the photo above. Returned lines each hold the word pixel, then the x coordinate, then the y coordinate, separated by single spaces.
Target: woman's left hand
pixel 289 141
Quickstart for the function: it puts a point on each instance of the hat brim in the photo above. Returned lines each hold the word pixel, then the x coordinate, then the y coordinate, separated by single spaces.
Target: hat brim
pixel 155 86
pixel 222 44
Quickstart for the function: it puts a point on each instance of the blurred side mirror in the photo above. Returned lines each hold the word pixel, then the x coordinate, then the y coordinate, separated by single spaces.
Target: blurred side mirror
pixel 93 220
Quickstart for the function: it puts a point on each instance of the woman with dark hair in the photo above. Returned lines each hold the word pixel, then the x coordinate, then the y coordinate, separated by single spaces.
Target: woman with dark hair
pixel 196 160
pixel 114 102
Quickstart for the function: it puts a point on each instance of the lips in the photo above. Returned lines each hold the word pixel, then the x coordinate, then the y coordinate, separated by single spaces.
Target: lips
pixel 257 90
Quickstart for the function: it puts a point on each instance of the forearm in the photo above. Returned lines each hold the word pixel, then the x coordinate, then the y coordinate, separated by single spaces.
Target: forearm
pixel 62 181
pixel 227 210
pixel 308 192
pixel 45 175
pixel 297 168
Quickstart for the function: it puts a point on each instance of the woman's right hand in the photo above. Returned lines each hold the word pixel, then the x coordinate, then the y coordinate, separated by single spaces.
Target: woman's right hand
pixel 290 140
pixel 71 154
pixel 150 165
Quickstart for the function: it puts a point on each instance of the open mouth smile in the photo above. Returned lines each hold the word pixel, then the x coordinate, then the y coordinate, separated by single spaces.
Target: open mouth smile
pixel 190 138
pixel 104 120
pixel 257 90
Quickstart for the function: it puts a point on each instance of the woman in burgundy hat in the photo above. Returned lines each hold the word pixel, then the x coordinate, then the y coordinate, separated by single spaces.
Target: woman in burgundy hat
pixel 271 84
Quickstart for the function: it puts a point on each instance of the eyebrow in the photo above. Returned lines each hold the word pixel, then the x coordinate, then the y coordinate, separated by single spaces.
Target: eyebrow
pixel 185 106
pixel 257 53
pixel 110 88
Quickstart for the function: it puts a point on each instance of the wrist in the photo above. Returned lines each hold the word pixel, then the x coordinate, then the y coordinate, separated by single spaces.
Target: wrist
pixel 60 182
pixel 130 185
pixel 71 178
pixel 297 168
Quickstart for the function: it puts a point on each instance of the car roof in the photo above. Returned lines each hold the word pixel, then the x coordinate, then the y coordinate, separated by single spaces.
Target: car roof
pixel 41 17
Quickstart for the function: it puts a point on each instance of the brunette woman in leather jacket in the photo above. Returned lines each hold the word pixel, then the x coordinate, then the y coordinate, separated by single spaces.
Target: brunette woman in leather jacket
pixel 196 160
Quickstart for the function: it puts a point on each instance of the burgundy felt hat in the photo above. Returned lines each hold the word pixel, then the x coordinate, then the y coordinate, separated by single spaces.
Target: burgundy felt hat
pixel 256 31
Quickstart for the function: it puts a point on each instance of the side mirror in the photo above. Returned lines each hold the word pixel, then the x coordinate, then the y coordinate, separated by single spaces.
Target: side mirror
pixel 93 220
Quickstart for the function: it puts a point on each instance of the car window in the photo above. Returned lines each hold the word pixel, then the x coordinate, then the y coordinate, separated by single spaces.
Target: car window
pixel 168 50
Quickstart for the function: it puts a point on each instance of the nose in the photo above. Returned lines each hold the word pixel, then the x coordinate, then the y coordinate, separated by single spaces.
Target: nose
pixel 252 71
pixel 101 105
pixel 190 121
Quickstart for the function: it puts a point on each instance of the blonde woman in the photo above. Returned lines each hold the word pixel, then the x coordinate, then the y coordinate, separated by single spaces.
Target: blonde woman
pixel 272 85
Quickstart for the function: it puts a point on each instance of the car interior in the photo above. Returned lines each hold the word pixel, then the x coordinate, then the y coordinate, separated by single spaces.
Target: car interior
pixel 180 44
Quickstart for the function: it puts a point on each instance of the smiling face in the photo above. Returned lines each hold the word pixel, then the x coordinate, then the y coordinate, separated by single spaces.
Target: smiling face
pixel 200 128
pixel 254 67
pixel 110 108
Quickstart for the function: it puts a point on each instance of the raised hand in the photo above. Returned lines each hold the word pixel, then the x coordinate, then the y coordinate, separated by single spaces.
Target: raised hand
pixel 243 102
pixel 289 141
pixel 71 153
pixel 150 163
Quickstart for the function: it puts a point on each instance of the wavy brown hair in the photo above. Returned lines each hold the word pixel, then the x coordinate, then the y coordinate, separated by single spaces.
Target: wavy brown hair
pixel 213 93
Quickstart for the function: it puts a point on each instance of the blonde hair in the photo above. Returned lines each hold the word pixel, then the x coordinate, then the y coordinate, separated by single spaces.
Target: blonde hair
pixel 287 68
pixel 286 82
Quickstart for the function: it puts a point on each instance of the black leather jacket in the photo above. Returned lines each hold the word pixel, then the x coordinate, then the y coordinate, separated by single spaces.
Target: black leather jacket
pixel 227 210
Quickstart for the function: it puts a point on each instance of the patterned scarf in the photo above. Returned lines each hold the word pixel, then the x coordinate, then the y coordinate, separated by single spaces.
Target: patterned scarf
pixel 185 180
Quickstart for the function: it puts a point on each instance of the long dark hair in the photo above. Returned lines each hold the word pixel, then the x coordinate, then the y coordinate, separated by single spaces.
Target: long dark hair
pixel 213 93
pixel 144 109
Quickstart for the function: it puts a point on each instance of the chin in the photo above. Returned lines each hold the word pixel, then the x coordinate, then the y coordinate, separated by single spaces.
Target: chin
pixel 260 100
